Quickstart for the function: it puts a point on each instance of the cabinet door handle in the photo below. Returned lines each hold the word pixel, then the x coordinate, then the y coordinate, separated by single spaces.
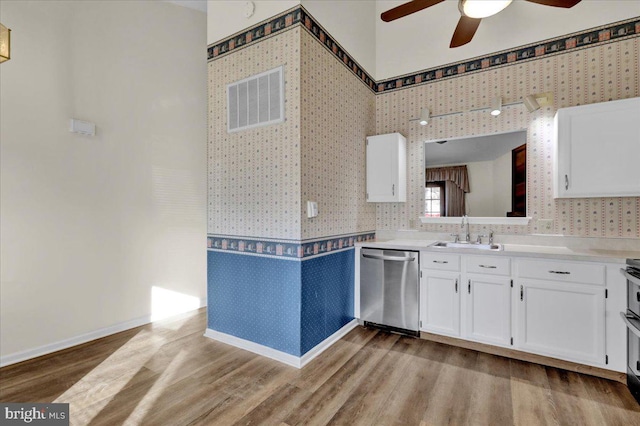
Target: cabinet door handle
pixel 456 285
pixel 488 266
pixel 521 293
pixel 469 287
pixel 560 272
pixel 566 182
pixel 440 261
pixel 393 189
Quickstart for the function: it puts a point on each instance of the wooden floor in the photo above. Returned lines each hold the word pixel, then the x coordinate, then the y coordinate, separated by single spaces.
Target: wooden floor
pixel 169 374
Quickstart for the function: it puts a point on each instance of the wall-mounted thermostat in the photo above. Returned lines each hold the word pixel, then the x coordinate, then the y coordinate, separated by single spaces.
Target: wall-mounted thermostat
pixel 82 127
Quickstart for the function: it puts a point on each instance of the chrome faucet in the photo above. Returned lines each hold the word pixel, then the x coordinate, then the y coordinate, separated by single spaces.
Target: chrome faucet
pixel 467 236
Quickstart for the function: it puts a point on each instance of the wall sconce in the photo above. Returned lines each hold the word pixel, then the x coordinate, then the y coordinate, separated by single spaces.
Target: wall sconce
pixel 5 43
pixel 424 116
pixel 531 103
pixel 496 106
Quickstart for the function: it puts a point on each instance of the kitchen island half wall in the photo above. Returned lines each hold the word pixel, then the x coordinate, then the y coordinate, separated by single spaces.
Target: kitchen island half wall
pixel 288 301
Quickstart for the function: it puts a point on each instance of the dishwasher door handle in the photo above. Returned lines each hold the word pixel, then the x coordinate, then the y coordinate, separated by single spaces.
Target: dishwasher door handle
pixel 381 257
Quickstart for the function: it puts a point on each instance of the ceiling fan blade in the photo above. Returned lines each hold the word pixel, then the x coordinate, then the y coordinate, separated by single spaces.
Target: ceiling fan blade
pixel 465 31
pixel 557 3
pixel 407 9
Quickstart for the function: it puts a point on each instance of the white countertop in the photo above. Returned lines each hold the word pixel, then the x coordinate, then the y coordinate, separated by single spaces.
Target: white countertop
pixel 517 250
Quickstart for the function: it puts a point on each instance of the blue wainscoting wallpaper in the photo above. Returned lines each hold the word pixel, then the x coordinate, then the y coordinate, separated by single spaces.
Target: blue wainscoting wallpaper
pixel 286 305
pixel 255 298
pixel 327 296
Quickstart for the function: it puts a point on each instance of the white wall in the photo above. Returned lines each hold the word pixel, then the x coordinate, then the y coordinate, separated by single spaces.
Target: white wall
pixel 352 23
pixel 421 40
pixel 502 179
pixel 226 18
pixel 92 226
pixel 479 200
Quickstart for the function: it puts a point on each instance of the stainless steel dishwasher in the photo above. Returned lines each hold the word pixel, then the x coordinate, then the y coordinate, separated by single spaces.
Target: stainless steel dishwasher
pixel 389 289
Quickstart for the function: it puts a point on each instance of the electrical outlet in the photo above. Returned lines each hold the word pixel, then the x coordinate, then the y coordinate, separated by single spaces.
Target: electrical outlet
pixel 545 225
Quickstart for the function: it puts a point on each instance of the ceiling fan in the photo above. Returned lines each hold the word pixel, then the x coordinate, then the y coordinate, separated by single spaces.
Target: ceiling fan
pixel 472 12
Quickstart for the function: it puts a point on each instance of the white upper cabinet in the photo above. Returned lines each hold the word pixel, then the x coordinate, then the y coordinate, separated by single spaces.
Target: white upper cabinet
pixel 387 168
pixel 597 150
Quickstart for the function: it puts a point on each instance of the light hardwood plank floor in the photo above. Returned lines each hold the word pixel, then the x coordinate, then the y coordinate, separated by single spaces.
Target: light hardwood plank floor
pixel 168 373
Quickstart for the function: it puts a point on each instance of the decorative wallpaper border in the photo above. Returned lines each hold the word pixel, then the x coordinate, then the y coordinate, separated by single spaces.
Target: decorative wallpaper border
pixel 587 38
pixel 286 248
pixel 299 16
pixel 287 20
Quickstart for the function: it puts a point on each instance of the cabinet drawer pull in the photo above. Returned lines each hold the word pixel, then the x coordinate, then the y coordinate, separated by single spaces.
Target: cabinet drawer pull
pixel 393 189
pixel 566 182
pixel 440 261
pixel 469 289
pixel 456 285
pixel 488 266
pixel 560 272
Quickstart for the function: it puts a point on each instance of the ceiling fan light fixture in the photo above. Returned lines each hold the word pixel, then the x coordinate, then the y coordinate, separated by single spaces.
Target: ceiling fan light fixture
pixel 424 116
pixel 481 8
pixel 496 106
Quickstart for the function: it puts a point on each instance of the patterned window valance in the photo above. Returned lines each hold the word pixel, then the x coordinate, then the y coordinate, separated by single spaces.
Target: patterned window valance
pixel 455 174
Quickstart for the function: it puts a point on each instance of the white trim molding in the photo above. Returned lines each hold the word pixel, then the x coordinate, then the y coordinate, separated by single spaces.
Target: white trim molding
pixel 479 220
pixel 283 357
pixel 82 338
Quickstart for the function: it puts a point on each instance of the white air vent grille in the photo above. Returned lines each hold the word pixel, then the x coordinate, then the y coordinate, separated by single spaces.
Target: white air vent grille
pixel 256 101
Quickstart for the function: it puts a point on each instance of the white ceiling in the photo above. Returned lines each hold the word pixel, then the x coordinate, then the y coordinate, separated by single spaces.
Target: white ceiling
pixel 421 40
pixel 468 150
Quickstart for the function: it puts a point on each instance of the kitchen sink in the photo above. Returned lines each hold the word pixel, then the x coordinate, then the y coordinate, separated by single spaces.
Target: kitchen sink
pixel 465 245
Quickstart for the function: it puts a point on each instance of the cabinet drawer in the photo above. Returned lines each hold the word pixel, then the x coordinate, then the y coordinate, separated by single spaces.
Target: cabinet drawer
pixel 441 262
pixel 493 265
pixel 566 271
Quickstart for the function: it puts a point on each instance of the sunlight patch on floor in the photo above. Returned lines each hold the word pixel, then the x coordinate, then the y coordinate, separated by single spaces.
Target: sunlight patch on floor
pixel 158 388
pixel 89 395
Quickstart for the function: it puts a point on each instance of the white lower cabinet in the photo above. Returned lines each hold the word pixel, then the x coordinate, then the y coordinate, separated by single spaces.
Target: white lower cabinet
pixel 488 309
pixel 440 302
pixel 562 320
pixel 551 307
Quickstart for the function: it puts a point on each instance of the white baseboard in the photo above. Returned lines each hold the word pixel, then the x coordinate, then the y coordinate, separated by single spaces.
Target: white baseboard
pixel 77 340
pixel 326 343
pixel 256 348
pixel 277 355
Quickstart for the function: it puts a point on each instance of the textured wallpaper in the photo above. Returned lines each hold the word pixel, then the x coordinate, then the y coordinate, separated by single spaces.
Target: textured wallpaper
pixel 595 74
pixel 260 179
pixel 254 175
pixel 337 114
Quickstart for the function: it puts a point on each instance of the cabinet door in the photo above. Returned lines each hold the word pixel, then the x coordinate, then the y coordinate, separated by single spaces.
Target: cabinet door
pixel 440 302
pixel 386 168
pixel 563 320
pixel 488 309
pixel 598 150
